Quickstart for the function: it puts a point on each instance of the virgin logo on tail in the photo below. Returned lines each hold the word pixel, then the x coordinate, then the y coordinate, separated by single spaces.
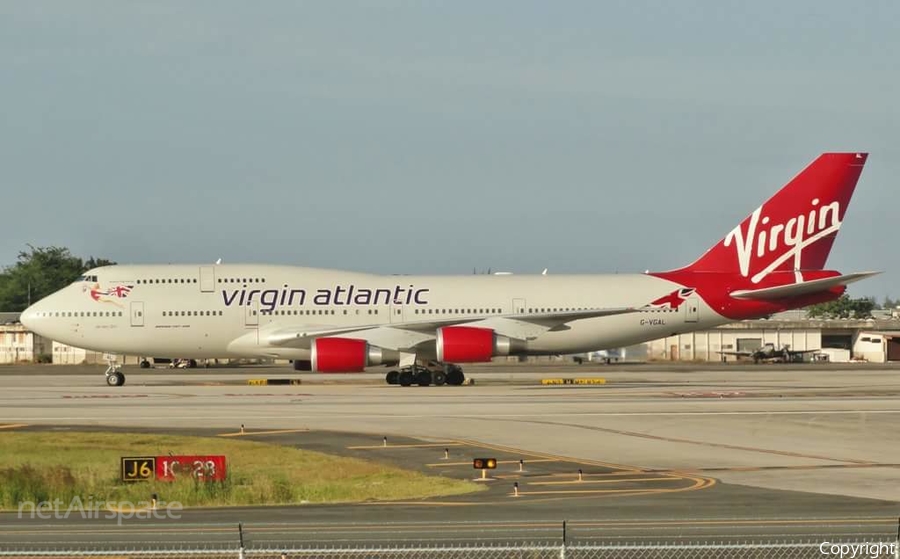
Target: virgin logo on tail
pixel 761 240
pixel 674 299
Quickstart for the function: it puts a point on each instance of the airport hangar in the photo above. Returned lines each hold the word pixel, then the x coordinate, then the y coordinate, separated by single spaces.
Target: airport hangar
pixel 874 340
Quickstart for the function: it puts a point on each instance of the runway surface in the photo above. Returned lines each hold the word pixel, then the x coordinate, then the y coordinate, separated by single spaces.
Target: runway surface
pixel 735 453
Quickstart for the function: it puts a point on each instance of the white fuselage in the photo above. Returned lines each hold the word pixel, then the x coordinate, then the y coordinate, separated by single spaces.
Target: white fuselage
pixel 196 311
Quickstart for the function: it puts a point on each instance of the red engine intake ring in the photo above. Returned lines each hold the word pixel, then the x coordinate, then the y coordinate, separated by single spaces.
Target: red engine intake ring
pixel 465 344
pixel 339 355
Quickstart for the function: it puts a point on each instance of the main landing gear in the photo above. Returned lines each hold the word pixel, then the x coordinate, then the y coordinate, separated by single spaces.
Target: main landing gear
pixel 423 376
pixel 114 377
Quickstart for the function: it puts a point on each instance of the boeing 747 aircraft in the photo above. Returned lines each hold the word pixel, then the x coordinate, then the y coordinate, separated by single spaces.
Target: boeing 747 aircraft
pixel 424 326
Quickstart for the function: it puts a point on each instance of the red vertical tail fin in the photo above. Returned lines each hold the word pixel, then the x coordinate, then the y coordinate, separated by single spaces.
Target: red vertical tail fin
pixel 795 228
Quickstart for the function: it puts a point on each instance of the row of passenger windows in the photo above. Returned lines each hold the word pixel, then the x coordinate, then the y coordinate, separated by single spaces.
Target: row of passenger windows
pixel 660 309
pixel 498 311
pixel 168 280
pixel 424 311
pixel 311 312
pixel 242 280
pixel 194 280
pixel 77 314
pixel 458 311
pixel 192 313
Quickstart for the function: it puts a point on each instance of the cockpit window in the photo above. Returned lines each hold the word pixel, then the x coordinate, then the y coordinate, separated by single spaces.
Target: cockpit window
pixel 86 278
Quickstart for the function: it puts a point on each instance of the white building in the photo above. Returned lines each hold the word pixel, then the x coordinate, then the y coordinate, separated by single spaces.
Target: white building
pixel 19 345
pixel 842 340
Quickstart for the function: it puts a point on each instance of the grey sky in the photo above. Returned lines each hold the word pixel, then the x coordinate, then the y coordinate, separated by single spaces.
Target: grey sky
pixel 438 137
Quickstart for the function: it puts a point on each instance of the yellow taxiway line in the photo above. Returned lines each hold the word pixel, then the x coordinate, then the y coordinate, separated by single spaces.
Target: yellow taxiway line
pixel 469 463
pixel 594 481
pixel 276 432
pixel 389 446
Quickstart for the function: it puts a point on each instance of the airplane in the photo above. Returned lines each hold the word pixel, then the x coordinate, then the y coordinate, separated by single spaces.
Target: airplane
pixel 769 352
pixel 425 327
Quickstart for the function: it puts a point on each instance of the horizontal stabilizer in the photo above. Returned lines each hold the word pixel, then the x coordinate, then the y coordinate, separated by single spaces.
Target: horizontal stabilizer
pixel 799 289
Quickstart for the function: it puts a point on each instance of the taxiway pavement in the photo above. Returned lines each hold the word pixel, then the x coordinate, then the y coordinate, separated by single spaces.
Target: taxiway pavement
pixel 740 453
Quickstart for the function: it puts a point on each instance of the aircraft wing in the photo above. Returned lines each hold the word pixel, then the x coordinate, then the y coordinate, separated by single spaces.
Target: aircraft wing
pixel 408 334
pixel 802 351
pixel 513 325
pixel 802 288
pixel 736 353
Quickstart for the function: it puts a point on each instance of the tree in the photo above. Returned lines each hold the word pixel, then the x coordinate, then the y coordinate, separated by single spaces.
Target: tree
pixel 890 303
pixel 844 307
pixel 38 272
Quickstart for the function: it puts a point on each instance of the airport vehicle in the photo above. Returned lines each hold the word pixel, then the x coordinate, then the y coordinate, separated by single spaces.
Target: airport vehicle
pixel 769 352
pixel 608 356
pixel 334 321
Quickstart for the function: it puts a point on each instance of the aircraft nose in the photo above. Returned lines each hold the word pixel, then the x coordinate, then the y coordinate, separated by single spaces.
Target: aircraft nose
pixel 30 315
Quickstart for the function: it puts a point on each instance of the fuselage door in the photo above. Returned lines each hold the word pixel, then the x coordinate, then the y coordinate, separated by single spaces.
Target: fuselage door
pixel 251 314
pixel 207 279
pixel 396 313
pixel 692 309
pixel 137 313
pixel 518 306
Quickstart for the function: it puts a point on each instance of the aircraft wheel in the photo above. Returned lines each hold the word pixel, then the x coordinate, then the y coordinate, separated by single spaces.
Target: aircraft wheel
pixel 405 378
pixel 439 378
pixel 393 377
pixel 455 377
pixel 145 364
pixel 423 378
pixel 115 379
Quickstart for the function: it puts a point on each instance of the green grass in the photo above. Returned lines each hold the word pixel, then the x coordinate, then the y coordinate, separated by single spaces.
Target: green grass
pixel 44 466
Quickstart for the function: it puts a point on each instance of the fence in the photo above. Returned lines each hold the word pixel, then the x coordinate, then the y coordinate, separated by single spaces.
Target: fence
pixel 749 550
